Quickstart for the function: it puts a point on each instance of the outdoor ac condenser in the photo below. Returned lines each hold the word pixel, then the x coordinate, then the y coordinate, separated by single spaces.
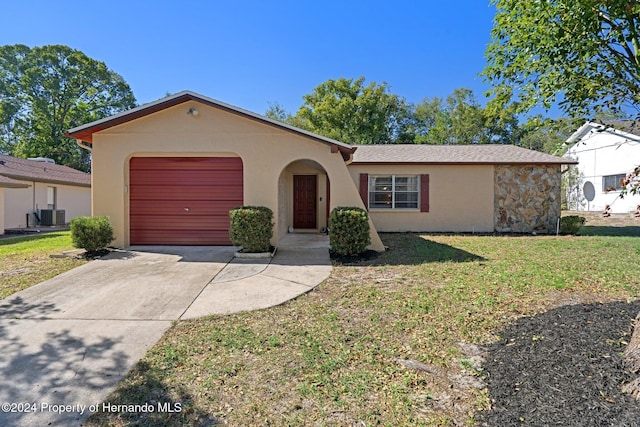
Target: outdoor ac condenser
pixel 46 217
pixel 49 217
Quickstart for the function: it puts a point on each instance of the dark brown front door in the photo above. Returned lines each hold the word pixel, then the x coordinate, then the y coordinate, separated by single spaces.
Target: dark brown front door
pixel 304 201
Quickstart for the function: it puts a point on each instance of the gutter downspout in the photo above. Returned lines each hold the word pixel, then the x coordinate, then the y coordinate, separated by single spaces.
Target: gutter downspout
pixel 88 146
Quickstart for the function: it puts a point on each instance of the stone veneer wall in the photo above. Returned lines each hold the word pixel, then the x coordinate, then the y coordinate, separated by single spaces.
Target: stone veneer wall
pixel 526 198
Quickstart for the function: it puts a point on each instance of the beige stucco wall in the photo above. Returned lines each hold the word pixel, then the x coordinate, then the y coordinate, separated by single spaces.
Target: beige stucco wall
pixel 74 200
pixel 460 198
pixel 19 201
pixel 265 151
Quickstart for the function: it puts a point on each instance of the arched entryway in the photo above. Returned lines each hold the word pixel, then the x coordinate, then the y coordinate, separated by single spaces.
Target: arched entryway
pixel 303 197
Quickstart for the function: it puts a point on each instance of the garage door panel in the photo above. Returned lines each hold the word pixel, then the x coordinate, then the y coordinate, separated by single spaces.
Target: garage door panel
pixel 189 192
pixel 185 177
pixel 185 163
pixel 182 200
pixel 177 207
pixel 180 238
pixel 178 222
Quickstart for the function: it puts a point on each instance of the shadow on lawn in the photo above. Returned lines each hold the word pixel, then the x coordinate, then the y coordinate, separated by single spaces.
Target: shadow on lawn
pixel 413 249
pixel 10 239
pixel 144 386
pixel 602 230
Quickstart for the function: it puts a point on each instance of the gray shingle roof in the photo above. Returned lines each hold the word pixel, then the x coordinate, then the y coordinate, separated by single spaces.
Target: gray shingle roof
pixel 33 170
pixel 629 126
pixel 453 154
pixel 11 183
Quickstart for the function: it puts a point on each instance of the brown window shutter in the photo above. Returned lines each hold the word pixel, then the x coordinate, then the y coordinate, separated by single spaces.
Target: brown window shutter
pixel 424 193
pixel 364 189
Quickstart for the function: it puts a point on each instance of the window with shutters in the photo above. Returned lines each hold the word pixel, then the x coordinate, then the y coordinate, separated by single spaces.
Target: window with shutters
pixel 394 192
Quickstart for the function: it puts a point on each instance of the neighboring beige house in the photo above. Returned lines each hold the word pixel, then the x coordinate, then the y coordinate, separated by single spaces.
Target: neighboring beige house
pixel 168 172
pixel 37 192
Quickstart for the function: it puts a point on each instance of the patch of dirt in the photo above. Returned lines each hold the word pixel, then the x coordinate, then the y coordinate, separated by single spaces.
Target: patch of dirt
pixel 563 367
pixel 96 254
pixel 16 271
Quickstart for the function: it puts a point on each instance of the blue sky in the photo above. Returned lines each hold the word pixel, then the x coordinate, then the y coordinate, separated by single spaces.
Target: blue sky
pixel 252 53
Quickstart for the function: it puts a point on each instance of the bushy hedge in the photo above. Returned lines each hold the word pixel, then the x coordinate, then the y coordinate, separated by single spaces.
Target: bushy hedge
pixel 571 224
pixel 349 230
pixel 251 227
pixel 91 233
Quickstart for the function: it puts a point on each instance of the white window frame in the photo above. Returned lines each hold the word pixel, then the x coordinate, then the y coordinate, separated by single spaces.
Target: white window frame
pixel 618 186
pixel 52 198
pixel 392 206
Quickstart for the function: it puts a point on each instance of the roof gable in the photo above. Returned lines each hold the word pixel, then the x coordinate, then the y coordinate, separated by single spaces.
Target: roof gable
pixel 16 168
pixel 453 154
pixel 85 132
pixel 629 129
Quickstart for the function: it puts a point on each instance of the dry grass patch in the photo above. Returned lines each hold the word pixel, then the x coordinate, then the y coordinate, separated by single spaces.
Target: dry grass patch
pixel 25 261
pixel 388 343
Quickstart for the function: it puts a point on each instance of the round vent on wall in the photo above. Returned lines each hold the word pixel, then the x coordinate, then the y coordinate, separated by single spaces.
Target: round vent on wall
pixel 589 191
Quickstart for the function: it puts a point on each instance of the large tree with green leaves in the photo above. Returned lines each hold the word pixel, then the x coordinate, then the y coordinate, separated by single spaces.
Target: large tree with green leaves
pixel 580 54
pixel 460 119
pixel 49 89
pixel 352 112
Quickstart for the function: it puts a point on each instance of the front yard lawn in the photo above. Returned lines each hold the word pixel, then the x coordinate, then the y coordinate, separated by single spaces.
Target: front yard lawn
pixel 25 260
pixel 388 343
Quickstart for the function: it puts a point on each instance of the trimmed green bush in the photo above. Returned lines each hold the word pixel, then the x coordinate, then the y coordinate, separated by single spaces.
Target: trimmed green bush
pixel 251 227
pixel 91 233
pixel 571 224
pixel 349 230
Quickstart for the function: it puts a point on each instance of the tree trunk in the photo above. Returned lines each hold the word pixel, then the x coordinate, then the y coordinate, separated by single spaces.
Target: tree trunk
pixel 632 360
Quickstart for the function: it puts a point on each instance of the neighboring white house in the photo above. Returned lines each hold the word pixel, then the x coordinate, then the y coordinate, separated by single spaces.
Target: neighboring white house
pixel 39 192
pixel 606 155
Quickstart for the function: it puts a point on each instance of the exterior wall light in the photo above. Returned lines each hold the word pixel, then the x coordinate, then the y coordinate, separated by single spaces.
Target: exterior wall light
pixel 193 112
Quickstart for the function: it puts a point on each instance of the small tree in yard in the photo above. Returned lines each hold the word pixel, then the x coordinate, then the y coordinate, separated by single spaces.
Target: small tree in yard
pixel 251 227
pixel 349 230
pixel 91 233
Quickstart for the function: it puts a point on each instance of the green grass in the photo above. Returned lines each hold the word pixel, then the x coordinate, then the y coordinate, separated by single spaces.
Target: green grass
pixel 333 356
pixel 25 260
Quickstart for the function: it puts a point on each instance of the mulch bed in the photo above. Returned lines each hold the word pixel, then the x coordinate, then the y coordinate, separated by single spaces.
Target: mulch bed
pixel 563 367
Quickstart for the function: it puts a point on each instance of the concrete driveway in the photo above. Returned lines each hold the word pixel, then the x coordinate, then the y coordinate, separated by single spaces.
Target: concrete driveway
pixel 65 343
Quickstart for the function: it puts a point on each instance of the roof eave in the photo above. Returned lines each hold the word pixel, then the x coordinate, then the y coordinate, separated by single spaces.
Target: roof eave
pixel 12 185
pixel 582 131
pixel 50 181
pixel 462 163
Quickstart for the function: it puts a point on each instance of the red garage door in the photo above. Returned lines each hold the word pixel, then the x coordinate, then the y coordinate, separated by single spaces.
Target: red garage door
pixel 183 200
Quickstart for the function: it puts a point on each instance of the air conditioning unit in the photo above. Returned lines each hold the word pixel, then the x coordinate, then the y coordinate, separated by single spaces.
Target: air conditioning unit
pixel 59 217
pixel 49 217
pixel 46 216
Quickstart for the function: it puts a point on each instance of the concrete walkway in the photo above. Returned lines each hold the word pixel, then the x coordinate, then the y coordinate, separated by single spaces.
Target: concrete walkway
pixel 68 341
